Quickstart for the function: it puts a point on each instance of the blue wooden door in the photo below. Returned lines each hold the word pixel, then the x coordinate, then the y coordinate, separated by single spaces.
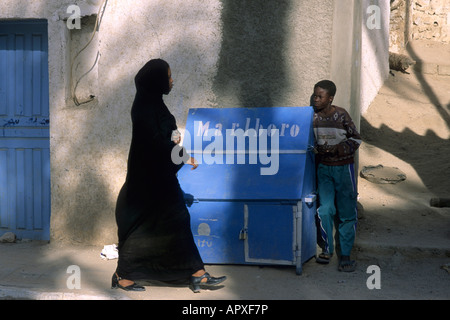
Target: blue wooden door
pixel 24 129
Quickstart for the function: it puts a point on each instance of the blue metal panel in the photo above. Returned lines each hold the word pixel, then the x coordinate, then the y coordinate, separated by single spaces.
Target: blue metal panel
pixel 24 129
pixel 221 175
pixel 244 215
pixel 216 227
pixel 270 234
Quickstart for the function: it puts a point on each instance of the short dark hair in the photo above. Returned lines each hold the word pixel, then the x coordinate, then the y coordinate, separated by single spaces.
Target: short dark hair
pixel 327 85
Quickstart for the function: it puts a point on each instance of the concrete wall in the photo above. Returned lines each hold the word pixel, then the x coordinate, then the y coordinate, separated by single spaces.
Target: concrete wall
pixel 346 55
pixel 360 63
pixel 223 53
pixel 374 50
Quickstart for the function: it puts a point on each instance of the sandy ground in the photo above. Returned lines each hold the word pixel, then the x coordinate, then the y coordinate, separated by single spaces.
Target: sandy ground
pixel 408 127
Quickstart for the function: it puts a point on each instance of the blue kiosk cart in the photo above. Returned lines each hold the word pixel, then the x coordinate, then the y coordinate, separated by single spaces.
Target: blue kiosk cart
pixel 252 198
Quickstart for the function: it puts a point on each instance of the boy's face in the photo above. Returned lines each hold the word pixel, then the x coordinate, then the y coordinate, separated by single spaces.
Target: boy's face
pixel 321 99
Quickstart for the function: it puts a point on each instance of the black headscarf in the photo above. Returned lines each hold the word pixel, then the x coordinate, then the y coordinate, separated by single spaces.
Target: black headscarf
pixel 153 78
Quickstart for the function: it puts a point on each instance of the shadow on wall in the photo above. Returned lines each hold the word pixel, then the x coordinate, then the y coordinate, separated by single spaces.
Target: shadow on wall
pixel 252 70
pixel 86 201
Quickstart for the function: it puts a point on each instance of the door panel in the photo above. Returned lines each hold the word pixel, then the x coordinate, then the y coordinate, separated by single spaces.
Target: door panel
pixel 270 234
pixel 24 129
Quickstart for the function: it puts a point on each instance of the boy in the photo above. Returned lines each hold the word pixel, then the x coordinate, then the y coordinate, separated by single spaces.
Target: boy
pixel 337 140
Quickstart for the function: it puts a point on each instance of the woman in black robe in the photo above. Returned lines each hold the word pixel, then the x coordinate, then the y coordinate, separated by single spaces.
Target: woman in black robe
pixel 155 237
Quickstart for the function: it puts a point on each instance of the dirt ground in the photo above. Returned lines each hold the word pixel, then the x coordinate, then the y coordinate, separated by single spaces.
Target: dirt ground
pixel 408 127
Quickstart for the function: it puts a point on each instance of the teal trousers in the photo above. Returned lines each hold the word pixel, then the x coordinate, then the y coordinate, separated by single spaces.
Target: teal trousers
pixel 337 197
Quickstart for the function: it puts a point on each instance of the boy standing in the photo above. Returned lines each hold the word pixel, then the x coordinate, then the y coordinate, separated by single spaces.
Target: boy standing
pixel 337 140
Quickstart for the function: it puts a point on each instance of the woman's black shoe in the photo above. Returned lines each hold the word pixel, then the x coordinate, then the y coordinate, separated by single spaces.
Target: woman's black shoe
pixel 196 282
pixel 115 284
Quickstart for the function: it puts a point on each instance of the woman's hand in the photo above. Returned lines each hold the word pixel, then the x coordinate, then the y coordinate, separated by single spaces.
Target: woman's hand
pixel 193 163
pixel 176 136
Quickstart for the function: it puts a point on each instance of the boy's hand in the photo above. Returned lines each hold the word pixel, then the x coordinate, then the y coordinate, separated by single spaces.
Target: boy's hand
pixel 327 150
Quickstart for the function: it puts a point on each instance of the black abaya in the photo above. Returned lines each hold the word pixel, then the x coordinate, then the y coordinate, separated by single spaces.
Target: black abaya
pixel 155 237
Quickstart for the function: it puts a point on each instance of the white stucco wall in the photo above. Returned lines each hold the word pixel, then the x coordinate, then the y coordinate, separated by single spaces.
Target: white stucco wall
pixel 374 50
pixel 223 53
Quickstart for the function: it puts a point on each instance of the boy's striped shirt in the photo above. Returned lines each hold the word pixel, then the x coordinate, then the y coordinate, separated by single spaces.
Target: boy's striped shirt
pixel 337 130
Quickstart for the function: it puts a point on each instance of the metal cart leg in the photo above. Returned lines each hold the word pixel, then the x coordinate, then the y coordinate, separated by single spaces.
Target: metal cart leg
pixel 299 227
pixel 299 267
